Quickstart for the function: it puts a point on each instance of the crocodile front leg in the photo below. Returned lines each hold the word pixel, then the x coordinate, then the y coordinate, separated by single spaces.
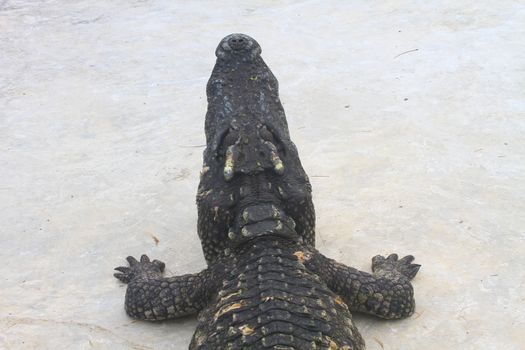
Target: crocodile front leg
pixel 151 297
pixel 387 293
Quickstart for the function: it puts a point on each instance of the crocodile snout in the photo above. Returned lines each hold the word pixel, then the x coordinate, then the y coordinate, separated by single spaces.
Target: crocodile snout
pixel 238 45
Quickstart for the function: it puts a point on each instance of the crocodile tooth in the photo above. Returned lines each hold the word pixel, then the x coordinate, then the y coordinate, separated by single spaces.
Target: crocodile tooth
pixel 228 164
pixel 278 165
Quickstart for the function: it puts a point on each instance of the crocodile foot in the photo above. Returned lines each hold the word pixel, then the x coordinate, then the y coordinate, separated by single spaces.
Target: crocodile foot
pixel 392 264
pixel 144 267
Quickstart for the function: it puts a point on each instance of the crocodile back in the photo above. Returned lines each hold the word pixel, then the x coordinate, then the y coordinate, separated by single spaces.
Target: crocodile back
pixel 269 300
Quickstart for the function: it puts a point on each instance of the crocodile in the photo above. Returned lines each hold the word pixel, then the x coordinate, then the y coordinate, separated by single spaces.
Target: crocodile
pixel 266 286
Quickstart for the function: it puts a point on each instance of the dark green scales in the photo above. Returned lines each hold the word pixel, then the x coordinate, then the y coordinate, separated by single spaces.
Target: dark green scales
pixel 266 286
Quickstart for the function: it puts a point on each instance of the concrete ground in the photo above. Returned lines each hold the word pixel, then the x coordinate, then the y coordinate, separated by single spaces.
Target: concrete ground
pixel 409 117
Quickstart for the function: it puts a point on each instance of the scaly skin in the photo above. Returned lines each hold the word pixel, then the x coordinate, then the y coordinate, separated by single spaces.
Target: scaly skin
pixel 266 286
pixel 271 299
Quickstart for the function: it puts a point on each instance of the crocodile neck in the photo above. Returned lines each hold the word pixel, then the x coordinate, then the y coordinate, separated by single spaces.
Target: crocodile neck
pixel 262 220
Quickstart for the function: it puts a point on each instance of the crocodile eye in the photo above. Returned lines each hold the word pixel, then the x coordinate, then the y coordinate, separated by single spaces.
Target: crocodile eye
pixel 230 138
pixel 267 135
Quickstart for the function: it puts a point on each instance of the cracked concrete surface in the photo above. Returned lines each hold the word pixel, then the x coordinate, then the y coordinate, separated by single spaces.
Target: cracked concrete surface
pixel 409 117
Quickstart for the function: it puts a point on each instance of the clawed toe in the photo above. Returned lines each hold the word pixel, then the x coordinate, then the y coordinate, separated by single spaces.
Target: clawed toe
pixel 411 270
pixel 123 269
pixel 126 273
pixel 123 277
pixel 159 264
pixel 132 261
pixel 377 260
pixel 407 259
pixel 392 257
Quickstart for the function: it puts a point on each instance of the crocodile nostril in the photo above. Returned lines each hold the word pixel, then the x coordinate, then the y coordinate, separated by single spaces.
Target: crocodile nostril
pixel 237 43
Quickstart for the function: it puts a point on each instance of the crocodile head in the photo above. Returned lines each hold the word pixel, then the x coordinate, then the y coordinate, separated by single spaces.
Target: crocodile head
pixel 249 156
